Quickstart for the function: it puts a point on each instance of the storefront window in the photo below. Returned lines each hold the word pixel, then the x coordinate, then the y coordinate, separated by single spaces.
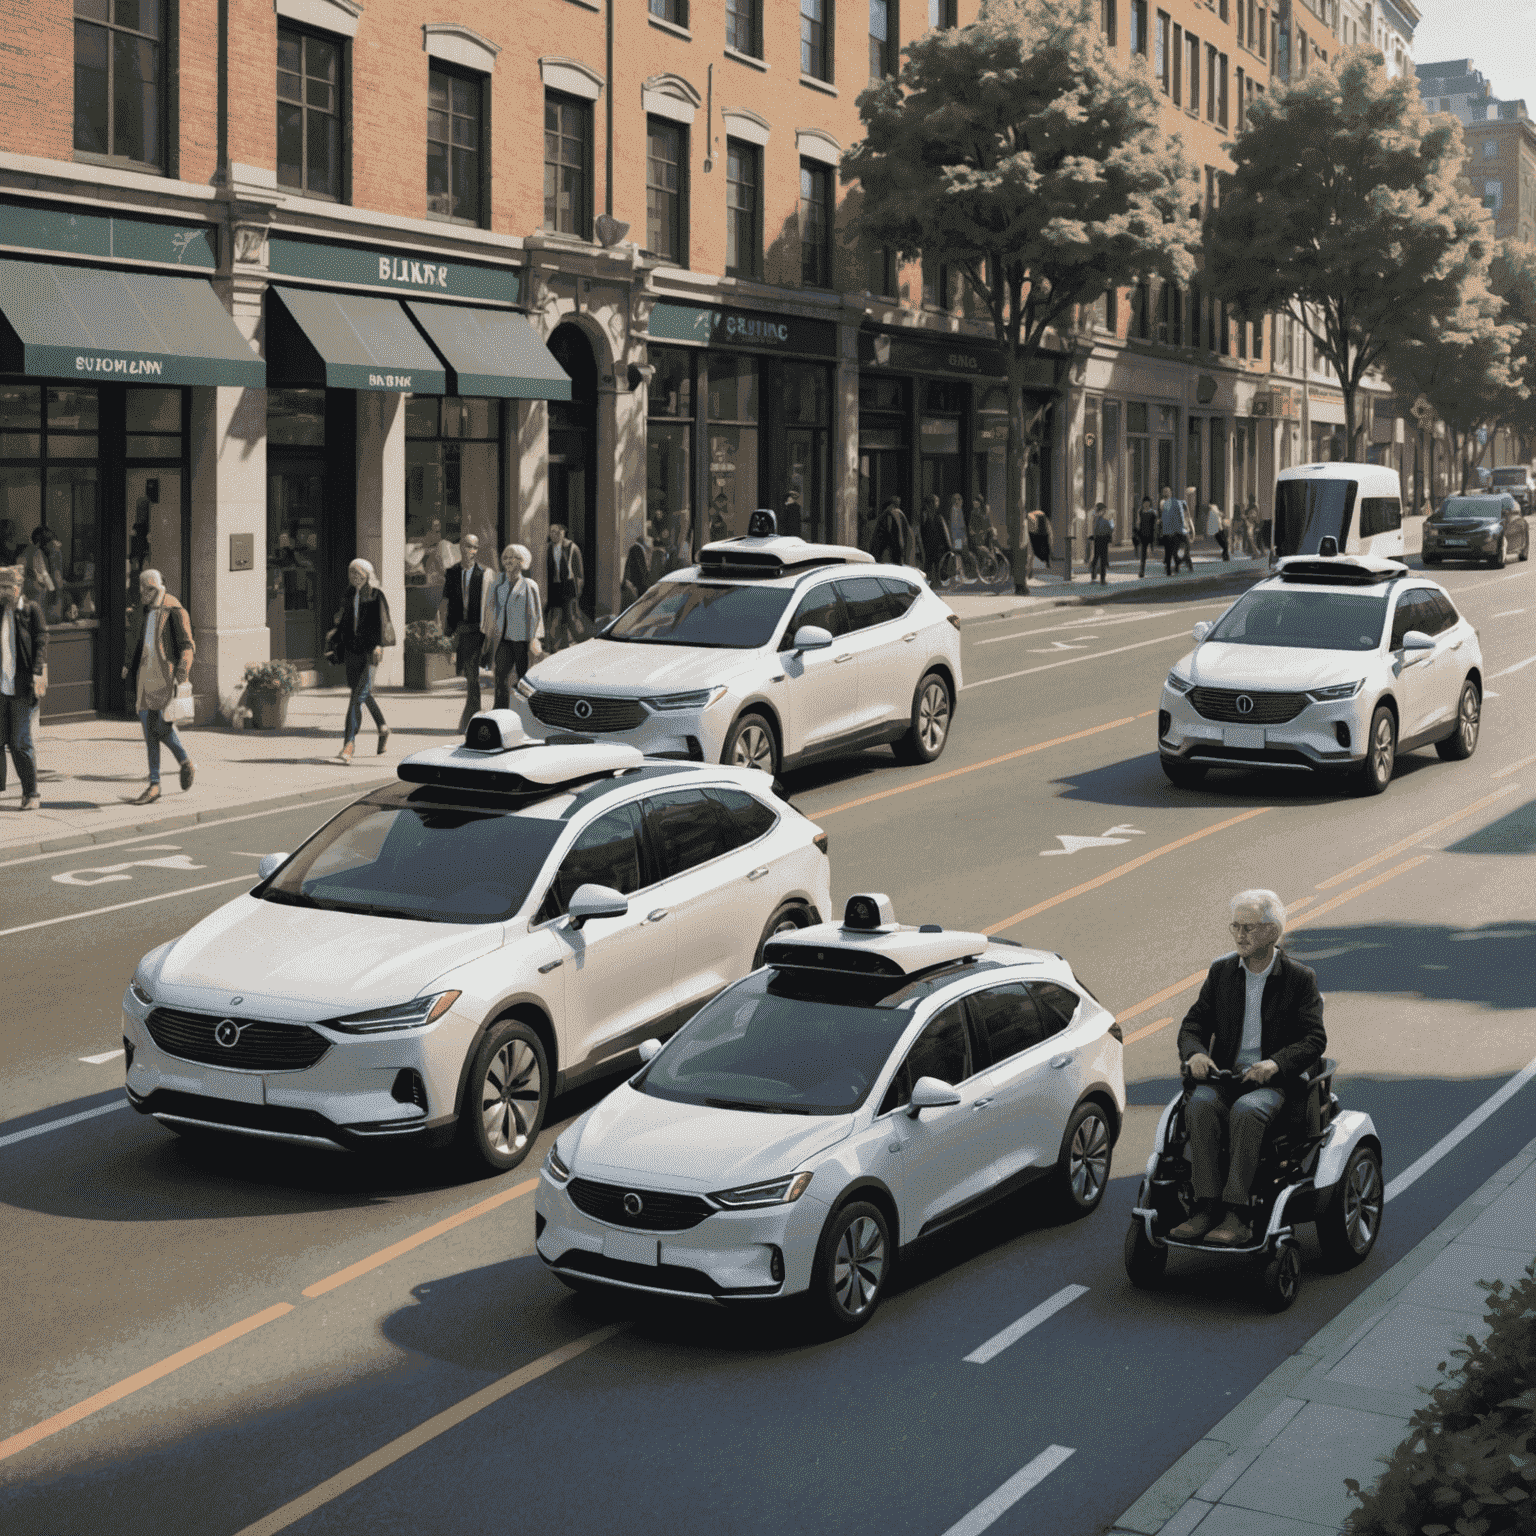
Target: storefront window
pixel 731 474
pixel 296 522
pixel 805 398
pixel 1109 451
pixel 669 460
pixel 1090 454
pixel 296 418
pixel 1218 481
pixel 1138 450
pixel 452 487
pixel 153 496
pixel 883 449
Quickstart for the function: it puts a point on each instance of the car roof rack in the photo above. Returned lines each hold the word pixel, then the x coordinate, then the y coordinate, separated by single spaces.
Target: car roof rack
pixel 498 757
pixel 1340 570
pixel 774 556
pixel 870 942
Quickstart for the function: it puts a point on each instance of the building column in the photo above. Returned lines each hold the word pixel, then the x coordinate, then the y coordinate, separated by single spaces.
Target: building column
pixel 843 492
pixel 528 478
pixel 381 511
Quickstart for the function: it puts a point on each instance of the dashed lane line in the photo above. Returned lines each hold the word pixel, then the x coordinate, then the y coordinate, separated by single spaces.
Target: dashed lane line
pixel 121 906
pixel 992 1509
pixel 1032 1319
pixel 1072 661
pixel 1519 666
pixel 103 1059
pixel 58 1125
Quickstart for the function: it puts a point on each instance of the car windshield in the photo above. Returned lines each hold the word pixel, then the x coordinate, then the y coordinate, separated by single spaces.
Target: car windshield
pixel 426 862
pixel 1508 477
pixel 1308 511
pixel 781 1044
pixel 1467 509
pixel 736 617
pixel 1319 621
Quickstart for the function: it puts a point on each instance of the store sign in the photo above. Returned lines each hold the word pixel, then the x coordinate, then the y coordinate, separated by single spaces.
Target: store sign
pixel 107 237
pixel 712 326
pixel 122 367
pixel 364 267
pixel 949 357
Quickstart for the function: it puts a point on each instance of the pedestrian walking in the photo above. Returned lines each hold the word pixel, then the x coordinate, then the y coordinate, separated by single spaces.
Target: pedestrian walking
pixel 891 541
pixel 23 679
pixel 1144 531
pixel 363 629
pixel 637 569
pixel 38 585
pixel 1103 532
pixel 463 609
pixel 933 535
pixel 1223 530
pixel 957 529
pixel 161 662
pixel 515 623
pixel 1172 517
pixel 564 578
pixel 1040 535
pixel 1191 527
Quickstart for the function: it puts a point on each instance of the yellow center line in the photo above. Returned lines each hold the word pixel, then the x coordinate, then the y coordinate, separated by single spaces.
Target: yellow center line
pixel 1418 837
pixel 131 1384
pixel 439 1424
pixel 991 762
pixel 1150 1029
pixel 1124 869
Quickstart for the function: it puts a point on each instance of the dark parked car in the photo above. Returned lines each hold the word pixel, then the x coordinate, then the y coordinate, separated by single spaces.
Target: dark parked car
pixel 1488 527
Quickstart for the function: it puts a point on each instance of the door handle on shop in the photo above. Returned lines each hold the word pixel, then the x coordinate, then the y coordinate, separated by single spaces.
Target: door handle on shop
pixel 981 1104
pixel 656 916
pixel 758 873
pixel 1061 1061
pixel 837 661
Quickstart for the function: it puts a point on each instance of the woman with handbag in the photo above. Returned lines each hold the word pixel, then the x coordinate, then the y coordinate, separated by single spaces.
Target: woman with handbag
pixel 363 629
pixel 160 666
pixel 516 622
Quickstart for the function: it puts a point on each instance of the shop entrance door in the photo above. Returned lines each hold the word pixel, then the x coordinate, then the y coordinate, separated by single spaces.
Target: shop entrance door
pixel 152 501
pixel 882 474
pixel 295 557
pixel 573 456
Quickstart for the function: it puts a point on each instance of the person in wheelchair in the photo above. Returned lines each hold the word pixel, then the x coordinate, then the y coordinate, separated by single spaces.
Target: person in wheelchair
pixel 1259 1015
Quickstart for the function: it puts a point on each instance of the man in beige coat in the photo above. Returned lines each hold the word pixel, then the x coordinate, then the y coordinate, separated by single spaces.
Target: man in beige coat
pixel 160 663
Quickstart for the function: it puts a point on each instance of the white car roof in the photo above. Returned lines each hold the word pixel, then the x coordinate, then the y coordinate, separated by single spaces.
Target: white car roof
pixel 1373 479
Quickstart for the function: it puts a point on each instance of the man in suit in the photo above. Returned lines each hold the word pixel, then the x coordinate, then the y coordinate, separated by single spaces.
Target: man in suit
pixel 23 679
pixel 563 579
pixel 463 612
pixel 1258 1013
pixel 1173 519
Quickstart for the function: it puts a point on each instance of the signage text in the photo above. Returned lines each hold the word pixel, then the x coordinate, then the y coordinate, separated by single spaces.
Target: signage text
pixel 389 381
pixel 424 274
pixel 136 365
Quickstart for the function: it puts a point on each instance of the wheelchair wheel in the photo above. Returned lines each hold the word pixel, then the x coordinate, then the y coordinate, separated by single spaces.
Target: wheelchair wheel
pixel 1281 1280
pixel 1347 1228
pixel 1144 1261
pixel 969 568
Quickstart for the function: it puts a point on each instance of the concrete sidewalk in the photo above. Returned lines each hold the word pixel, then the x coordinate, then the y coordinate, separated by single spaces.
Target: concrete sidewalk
pixel 1275 1465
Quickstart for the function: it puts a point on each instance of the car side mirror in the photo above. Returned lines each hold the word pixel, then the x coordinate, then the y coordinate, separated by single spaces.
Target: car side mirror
pixel 812 637
pixel 648 1048
pixel 591 901
pixel 1417 640
pixel 930 1093
pixel 1200 631
pixel 269 865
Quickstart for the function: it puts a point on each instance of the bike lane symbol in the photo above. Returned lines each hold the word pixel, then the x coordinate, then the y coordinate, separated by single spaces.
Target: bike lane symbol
pixel 104 874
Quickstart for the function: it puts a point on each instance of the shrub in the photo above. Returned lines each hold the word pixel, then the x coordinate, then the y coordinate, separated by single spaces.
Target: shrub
pixel 426 638
pixel 1468 1464
pixel 271 677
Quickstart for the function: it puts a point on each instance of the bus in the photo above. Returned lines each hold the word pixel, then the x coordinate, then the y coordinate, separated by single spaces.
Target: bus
pixel 1359 505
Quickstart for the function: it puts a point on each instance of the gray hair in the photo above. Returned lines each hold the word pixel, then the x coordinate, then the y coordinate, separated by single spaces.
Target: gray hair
pixel 523 553
pixel 1271 908
pixel 370 576
pixel 153 577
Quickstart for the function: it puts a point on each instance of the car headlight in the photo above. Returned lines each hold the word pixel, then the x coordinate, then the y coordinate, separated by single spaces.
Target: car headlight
pixel 1337 691
pixel 783 1191
pixel 696 698
pixel 1179 684
pixel 140 992
pixel 526 688
pixel 555 1167
pixel 411 1015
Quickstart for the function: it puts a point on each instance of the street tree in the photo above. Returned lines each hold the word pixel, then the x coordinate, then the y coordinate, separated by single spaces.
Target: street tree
pixel 1512 277
pixel 1343 211
pixel 1023 154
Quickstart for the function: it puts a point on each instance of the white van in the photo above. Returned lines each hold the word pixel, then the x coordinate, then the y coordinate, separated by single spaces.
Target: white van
pixel 1360 505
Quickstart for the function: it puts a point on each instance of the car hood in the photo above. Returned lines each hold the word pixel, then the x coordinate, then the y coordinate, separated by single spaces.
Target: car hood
pixel 1272 667
pixel 657 1143
pixel 304 963
pixel 626 668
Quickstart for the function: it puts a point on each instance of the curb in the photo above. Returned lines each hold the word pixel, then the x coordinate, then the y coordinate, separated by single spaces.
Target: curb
pixel 1181 1498
pixel 16 853
pixel 1123 592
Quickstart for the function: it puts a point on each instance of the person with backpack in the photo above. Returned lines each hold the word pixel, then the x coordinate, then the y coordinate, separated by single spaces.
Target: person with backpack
pixel 1103 532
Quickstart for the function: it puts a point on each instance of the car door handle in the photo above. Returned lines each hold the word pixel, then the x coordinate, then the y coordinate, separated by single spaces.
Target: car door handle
pixel 912 636
pixel 837 661
pixel 981 1104
pixel 656 916
pixel 758 873
pixel 550 965
pixel 1061 1061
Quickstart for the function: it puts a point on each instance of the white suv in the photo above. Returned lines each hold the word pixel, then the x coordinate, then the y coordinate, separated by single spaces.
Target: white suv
pixel 1335 664
pixel 510 919
pixel 871 1085
pixel 770 653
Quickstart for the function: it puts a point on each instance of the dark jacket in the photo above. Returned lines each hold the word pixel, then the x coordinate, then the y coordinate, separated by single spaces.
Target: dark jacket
pixel 637 568
pixel 891 541
pixel 372 612
pixel 453 593
pixel 564 592
pixel 1291 1019
pixel 31 645
pixel 934 532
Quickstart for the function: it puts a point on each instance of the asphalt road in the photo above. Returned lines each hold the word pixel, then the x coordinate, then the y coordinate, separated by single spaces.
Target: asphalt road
pixel 245 1339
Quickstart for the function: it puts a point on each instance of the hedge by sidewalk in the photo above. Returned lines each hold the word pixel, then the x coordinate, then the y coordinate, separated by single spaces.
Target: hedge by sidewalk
pixel 1468 1465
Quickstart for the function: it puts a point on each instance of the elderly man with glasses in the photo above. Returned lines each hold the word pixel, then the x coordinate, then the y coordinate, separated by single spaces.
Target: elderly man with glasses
pixel 1259 1014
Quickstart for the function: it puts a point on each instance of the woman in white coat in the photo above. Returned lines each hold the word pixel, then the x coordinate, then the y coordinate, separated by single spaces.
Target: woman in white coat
pixel 515 621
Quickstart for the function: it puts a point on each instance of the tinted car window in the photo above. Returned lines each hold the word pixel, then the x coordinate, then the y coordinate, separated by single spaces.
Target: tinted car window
pixel 1325 621
pixel 943 1050
pixel 1446 610
pixel 820 606
pixel 1467 509
pixel 685 829
pixel 901 593
pixel 1414 611
pixel 606 853
pixel 699 613
pixel 746 817
pixel 1056 1003
pixel 1007 1019
pixel 866 600
pixel 1379 514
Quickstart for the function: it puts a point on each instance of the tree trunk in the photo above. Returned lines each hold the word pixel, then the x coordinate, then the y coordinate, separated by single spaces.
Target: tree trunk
pixel 1347 389
pixel 1014 490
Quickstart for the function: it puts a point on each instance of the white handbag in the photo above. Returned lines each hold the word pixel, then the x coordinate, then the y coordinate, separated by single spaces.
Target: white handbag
pixel 180 708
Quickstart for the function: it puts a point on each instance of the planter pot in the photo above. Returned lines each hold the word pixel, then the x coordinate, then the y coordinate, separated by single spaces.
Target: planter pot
pixel 269 711
pixel 424 669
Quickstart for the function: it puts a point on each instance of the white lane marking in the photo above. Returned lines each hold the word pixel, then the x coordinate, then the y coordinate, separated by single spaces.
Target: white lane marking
pixel 1060 645
pixel 1110 839
pixel 240 853
pixel 1416 1170
pixel 58 1125
pixel 1519 666
pixel 1099 623
pixel 74 917
pixel 993 1509
pixel 1016 1331
pixel 1509 613
pixel 1071 661
pixel 103 1059
pixel 106 873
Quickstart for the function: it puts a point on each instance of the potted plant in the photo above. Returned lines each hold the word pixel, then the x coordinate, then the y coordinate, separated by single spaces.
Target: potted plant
pixel 267 686
pixel 425 643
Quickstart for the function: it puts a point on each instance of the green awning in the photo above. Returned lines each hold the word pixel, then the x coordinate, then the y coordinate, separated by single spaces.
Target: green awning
pixel 119 327
pixel 348 341
pixel 492 352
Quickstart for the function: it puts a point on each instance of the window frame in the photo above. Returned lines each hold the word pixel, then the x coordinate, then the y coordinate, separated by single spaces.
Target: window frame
pixel 821 176
pixel 1109 21
pixel 816 40
pixel 678 223
pixel 1139 40
pixel 889 46
pixel 552 907
pixel 747 14
pixel 342 114
pixel 163 116
pixel 948 14
pixel 583 109
pixel 1162 64
pixel 659 863
pixel 481 83
pixel 673 11
pixel 753 156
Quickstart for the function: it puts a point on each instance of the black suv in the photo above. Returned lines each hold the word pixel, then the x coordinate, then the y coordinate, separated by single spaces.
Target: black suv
pixel 1482 526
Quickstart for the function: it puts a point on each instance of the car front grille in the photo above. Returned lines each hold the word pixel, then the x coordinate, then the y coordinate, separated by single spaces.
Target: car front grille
pixel 1267 708
pixel 259 1046
pixel 659 1212
pixel 586 712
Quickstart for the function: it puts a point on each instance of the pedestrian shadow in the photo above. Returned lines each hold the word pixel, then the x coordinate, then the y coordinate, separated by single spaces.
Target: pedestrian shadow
pixel 49 803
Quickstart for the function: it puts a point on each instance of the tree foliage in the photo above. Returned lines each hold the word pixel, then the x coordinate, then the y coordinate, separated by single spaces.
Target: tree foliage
pixel 1023 153
pixel 1344 211
pixel 1512 278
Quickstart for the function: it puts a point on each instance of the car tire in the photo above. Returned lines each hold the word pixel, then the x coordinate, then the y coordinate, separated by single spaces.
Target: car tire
pixel 506 1097
pixel 750 743
pixel 853 1262
pixel 1182 775
pixel 933 708
pixel 1082 1164
pixel 1462 742
pixel 1145 1262
pixel 1501 555
pixel 1375 773
pixel 790 918
pixel 1349 1225
pixel 1280 1280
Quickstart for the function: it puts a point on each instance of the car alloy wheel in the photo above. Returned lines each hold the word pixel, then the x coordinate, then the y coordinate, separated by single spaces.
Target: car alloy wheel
pixel 932 709
pixel 506 1097
pixel 1082 1167
pixel 751 745
pixel 1501 554
pixel 852 1262
pixel 1380 753
pixel 790 918
pixel 1462 742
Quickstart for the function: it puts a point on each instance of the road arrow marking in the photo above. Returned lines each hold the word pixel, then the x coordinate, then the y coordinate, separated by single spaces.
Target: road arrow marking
pixel 1060 645
pixel 1070 843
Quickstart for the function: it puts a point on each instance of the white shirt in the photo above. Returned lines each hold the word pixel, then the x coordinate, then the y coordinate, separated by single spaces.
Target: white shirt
pixel 149 635
pixel 1250 1052
pixel 8 650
